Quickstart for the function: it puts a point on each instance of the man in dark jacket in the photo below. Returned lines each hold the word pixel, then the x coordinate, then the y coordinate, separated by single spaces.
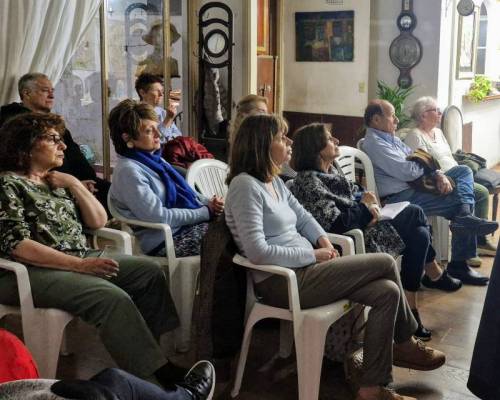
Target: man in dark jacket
pixel 37 95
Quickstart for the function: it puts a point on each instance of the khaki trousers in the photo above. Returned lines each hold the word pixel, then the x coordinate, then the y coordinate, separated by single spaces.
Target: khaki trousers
pixel 369 279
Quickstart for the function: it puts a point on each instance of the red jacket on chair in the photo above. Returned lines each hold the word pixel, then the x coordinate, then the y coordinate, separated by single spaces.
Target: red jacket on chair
pixel 15 360
pixel 182 151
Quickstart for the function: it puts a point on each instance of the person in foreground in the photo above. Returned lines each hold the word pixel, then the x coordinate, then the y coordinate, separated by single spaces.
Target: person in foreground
pixel 147 188
pixel 125 297
pixel 427 135
pixel 323 190
pixel 269 226
pixel 393 173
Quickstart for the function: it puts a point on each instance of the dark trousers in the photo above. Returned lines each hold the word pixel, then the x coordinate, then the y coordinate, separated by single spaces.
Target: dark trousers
pixel 411 225
pixel 128 387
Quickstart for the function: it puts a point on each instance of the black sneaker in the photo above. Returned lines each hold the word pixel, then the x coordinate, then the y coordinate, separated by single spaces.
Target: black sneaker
pixel 472 224
pixel 200 381
pixel 446 283
pixel 422 332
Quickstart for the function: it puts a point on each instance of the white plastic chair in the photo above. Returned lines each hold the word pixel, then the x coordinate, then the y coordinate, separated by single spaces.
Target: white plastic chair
pixel 182 274
pixel 208 176
pixel 43 328
pixel 309 326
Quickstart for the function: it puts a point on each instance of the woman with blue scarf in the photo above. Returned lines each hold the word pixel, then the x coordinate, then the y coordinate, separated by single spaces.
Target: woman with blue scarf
pixel 147 188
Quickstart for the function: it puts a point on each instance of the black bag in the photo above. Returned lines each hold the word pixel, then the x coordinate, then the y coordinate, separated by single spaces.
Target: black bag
pixel 488 178
pixel 473 161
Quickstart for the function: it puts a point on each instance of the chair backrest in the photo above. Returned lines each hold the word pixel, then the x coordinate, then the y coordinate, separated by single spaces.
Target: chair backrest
pixel 208 176
pixel 347 162
pixel 452 125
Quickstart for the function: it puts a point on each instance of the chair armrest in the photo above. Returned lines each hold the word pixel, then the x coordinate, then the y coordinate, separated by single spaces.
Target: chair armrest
pixel 167 234
pixel 121 239
pixel 359 240
pixel 23 283
pixel 288 273
pixel 345 242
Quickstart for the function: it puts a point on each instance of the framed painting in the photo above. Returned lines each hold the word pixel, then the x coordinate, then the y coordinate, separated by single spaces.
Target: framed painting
pixel 324 36
pixel 467 45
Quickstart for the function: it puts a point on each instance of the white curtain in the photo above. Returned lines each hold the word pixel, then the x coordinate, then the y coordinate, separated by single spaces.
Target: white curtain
pixel 39 36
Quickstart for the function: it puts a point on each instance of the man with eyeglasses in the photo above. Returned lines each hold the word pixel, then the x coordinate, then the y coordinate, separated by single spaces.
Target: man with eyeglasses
pixel 393 173
pixel 37 94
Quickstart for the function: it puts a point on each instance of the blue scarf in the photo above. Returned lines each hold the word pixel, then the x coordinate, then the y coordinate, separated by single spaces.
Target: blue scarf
pixel 178 192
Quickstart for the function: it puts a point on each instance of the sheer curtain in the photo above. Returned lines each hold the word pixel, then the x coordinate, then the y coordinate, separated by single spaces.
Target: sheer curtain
pixel 39 36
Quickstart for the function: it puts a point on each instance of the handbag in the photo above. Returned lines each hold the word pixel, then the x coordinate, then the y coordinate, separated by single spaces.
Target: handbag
pixel 427 182
pixel 473 161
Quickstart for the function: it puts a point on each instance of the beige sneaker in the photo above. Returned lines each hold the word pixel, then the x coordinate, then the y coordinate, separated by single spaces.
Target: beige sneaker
pixel 474 262
pixel 487 249
pixel 414 354
pixel 386 394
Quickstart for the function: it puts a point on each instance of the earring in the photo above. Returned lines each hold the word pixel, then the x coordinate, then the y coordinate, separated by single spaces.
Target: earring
pixel 130 145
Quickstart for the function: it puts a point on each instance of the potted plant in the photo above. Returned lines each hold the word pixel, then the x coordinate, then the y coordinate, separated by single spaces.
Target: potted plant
pixel 479 89
pixel 397 97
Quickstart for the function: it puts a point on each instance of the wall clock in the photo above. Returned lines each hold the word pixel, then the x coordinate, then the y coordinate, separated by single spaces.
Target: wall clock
pixel 406 50
pixel 465 7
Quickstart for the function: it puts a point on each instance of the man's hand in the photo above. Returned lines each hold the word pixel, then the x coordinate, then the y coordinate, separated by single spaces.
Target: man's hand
pixel 324 254
pixel 90 185
pixel 443 184
pixel 375 212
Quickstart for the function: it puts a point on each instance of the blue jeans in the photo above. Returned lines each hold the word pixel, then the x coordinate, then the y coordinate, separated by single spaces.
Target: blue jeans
pixel 128 387
pixel 463 245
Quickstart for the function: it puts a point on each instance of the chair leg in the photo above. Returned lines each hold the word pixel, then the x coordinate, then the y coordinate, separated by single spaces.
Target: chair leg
pixel 309 347
pixel 43 336
pixel 253 318
pixel 495 206
pixel 185 308
pixel 286 338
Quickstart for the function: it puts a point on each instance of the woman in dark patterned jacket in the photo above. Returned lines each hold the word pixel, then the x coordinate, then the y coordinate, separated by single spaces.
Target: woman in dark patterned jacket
pixel 339 206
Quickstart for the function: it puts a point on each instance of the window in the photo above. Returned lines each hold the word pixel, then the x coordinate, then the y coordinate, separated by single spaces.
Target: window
pixel 481 45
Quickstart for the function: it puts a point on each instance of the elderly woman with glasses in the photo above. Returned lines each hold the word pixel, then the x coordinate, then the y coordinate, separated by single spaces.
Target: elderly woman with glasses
pixel 147 188
pixel 42 214
pixel 427 135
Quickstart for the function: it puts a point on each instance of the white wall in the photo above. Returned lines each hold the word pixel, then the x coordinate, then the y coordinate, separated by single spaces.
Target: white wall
pixel 383 31
pixel 327 87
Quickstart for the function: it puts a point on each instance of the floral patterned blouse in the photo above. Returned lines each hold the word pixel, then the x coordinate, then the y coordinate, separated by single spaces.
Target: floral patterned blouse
pixel 37 212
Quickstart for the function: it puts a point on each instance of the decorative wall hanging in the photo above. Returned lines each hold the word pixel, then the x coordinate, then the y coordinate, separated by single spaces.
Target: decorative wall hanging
pixel 324 36
pixel 406 50
pixel 467 45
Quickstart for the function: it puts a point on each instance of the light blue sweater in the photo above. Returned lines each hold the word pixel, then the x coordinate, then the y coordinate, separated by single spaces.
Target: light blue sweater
pixel 137 192
pixel 268 231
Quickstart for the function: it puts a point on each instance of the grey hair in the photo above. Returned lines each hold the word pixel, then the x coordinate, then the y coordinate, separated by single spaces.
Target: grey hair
pixel 28 80
pixel 420 106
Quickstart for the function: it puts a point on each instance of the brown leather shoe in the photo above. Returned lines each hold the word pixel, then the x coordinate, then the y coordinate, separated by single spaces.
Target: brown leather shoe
pixel 414 354
pixel 386 394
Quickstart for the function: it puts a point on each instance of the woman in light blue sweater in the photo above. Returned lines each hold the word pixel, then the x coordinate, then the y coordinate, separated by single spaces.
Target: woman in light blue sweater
pixel 271 227
pixel 147 188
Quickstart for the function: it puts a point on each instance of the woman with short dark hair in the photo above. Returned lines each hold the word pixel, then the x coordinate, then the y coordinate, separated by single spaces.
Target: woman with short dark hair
pixel 147 188
pixel 269 226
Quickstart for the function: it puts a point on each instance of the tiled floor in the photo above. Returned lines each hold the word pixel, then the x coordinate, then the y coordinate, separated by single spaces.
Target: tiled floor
pixel 454 319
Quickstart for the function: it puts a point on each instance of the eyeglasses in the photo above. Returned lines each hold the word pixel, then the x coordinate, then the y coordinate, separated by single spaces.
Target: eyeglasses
pixel 437 110
pixel 52 139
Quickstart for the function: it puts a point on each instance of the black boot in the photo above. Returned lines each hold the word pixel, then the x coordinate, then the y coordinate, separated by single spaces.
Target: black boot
pixel 422 332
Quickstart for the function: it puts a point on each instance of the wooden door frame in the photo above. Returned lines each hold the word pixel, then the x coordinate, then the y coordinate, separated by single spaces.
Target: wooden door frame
pixel 250 52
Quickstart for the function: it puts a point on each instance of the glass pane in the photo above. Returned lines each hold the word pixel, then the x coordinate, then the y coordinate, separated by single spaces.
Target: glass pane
pixel 480 61
pixel 483 31
pixel 78 96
